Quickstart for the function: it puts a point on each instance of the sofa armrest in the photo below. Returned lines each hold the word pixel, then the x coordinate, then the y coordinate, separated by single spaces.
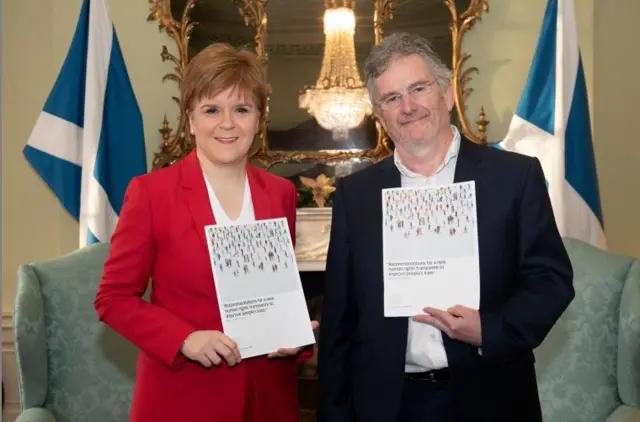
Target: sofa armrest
pixel 629 339
pixel 623 413
pixel 30 339
pixel 36 414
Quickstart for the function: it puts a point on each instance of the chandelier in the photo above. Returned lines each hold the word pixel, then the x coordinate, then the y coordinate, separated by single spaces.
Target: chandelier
pixel 339 100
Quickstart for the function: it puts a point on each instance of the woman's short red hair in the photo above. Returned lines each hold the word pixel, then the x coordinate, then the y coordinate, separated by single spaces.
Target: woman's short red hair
pixel 219 67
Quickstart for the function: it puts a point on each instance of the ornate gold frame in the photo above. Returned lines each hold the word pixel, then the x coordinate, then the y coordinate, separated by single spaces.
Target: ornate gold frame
pixel 177 144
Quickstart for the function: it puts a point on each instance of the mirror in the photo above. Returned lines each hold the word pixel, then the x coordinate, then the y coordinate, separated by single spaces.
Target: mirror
pixel 296 40
pixel 289 39
pixel 214 21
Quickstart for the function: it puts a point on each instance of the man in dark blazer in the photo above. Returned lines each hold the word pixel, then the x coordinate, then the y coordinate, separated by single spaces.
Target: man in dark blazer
pixel 457 364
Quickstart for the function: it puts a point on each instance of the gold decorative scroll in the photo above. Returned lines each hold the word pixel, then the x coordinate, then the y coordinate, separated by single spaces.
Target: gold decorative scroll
pixel 461 23
pixel 175 145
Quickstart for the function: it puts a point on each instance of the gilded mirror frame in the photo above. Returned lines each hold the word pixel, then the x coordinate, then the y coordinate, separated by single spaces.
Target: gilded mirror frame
pixel 176 144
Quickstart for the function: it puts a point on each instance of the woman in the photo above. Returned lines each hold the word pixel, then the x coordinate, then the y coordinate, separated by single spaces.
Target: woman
pixel 188 369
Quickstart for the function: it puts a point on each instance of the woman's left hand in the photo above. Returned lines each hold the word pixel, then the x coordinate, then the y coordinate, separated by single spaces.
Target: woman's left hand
pixel 283 353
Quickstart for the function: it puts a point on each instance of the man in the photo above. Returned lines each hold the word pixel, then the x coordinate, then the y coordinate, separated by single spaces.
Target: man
pixel 447 365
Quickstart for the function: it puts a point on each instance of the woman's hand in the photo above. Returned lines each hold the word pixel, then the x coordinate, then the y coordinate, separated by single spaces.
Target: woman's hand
pixel 282 353
pixel 210 347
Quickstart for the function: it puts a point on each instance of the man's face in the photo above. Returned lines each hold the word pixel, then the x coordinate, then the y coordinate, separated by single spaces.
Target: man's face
pixel 410 104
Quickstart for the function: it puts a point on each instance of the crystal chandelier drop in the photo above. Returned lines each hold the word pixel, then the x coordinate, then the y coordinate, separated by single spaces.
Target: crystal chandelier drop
pixel 339 100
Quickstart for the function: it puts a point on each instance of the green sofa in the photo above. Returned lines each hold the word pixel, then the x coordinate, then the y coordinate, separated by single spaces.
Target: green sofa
pixel 588 367
pixel 71 367
pixel 74 369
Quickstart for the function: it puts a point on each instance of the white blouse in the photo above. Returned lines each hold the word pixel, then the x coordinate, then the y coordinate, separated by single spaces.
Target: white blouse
pixel 246 215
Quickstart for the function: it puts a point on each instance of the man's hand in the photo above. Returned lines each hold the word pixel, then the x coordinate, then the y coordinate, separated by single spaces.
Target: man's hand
pixel 458 322
pixel 282 353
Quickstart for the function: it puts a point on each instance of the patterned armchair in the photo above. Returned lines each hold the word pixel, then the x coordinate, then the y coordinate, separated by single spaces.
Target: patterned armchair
pixel 71 368
pixel 589 366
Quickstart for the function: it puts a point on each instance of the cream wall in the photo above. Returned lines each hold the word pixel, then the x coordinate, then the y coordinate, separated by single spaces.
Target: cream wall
pixel 616 93
pixel 36 35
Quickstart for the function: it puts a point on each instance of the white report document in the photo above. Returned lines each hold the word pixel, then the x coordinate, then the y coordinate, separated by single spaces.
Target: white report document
pixel 430 248
pixel 258 286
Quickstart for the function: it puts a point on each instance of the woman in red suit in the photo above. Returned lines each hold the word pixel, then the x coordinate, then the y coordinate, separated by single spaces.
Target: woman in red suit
pixel 188 369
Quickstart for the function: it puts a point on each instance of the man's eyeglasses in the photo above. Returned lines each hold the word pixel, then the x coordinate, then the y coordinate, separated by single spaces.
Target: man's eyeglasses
pixel 417 92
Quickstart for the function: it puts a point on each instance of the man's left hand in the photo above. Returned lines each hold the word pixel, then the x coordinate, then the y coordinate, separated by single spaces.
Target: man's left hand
pixel 458 322
pixel 283 353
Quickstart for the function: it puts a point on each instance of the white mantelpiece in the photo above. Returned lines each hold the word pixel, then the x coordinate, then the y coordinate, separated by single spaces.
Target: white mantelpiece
pixel 313 226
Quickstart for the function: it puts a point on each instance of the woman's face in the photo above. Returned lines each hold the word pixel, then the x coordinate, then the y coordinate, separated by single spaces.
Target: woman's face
pixel 225 126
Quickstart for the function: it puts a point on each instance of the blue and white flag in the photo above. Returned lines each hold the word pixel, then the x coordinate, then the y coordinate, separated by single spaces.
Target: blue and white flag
pixel 552 123
pixel 88 142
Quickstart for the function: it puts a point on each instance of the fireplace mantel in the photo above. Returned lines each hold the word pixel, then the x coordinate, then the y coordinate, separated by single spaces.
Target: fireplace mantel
pixel 304 266
pixel 313 226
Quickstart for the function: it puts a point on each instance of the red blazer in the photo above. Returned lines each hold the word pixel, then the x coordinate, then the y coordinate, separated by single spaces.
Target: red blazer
pixel 160 235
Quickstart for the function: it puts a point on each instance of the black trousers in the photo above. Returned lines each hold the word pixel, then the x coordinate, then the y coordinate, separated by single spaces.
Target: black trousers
pixel 426 401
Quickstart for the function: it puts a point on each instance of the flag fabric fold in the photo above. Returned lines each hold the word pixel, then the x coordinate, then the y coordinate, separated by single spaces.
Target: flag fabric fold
pixel 552 123
pixel 88 141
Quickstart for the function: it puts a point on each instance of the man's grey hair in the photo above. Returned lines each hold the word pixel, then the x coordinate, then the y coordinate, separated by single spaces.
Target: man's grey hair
pixel 401 44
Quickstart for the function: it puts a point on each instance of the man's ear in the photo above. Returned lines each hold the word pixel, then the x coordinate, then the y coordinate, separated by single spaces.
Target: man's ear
pixel 378 116
pixel 448 97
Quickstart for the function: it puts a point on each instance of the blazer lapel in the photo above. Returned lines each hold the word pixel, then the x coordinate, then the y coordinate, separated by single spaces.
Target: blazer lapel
pixel 259 196
pixel 468 160
pixel 396 328
pixel 390 174
pixel 197 196
pixel 468 168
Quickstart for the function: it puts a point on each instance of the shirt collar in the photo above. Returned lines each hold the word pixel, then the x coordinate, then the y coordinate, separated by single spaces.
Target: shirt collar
pixel 452 152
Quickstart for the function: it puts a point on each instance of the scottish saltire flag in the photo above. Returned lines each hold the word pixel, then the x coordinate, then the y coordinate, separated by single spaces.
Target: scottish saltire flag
pixel 552 123
pixel 88 142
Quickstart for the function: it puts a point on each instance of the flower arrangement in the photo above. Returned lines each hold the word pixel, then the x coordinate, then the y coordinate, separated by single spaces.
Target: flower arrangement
pixel 315 192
